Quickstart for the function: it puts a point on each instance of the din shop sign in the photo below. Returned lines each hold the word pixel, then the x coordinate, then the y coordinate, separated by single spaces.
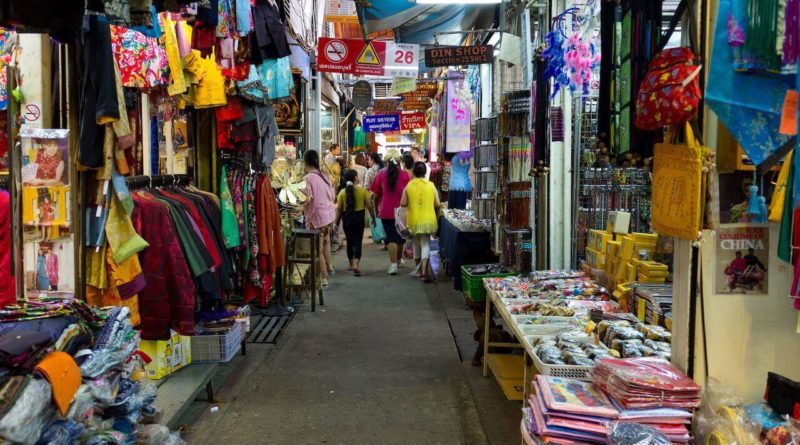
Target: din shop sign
pixel 458 55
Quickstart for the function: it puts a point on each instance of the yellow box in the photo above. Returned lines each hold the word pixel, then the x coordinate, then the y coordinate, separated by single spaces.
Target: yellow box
pixel 649 238
pixel 167 356
pixel 627 247
pixel 630 272
pixel 604 239
pixel 612 248
pixel 651 280
pixel 594 238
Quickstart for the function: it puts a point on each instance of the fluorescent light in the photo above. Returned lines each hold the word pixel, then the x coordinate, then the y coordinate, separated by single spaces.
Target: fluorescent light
pixel 458 2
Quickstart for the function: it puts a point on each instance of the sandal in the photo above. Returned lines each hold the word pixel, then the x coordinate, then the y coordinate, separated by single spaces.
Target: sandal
pixel 357 273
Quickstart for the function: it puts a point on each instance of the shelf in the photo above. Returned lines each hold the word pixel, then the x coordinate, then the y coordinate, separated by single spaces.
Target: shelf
pixel 508 370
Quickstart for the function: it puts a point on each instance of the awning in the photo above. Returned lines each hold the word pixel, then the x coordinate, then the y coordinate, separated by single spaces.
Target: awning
pixel 414 23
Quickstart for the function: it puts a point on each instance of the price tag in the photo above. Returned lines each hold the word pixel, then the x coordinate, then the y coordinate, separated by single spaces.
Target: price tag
pixel 402 60
pixel 641 308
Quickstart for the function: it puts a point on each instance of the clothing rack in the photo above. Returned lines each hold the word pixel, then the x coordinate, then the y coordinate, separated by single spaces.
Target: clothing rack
pixel 136 182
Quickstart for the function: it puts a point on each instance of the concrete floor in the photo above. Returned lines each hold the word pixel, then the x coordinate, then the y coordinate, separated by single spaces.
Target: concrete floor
pixel 380 363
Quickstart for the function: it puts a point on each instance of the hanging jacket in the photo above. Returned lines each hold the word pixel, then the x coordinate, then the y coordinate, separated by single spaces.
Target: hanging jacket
pixel 167 299
pixel 268 41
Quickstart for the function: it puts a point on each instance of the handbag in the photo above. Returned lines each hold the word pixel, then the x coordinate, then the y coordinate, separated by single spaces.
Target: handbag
pixel 401 222
pixel 377 232
pixel 670 92
pixel 680 181
pixel 783 395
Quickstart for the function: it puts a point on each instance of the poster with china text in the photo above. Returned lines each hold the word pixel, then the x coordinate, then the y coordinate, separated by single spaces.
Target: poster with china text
pixel 742 259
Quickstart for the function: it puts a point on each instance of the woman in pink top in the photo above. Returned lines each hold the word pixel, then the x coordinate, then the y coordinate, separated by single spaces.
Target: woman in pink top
pixel 388 190
pixel 319 210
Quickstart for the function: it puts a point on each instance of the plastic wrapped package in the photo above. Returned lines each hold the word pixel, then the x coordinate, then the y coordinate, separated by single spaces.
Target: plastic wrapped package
pixel 82 407
pixel 131 398
pixel 723 419
pixel 550 355
pixel 152 435
pixel 104 389
pixel 636 434
pixel 175 439
pixel 61 432
pixel 24 422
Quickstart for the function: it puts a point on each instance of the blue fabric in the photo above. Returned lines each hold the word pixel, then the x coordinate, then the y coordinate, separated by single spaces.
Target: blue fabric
pixel 270 80
pixel 459 176
pixel 753 119
pixel 153 31
pixel 244 23
pixel 460 248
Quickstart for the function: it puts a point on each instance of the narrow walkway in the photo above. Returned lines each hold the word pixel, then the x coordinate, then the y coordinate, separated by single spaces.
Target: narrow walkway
pixel 376 365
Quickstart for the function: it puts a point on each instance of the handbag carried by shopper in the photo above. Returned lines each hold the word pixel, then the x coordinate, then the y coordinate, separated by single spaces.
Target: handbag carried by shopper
pixel 401 222
pixel 377 232
pixel 680 183
pixel 670 92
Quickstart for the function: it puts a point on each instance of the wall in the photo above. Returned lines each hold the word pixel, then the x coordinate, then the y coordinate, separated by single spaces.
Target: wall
pixel 749 335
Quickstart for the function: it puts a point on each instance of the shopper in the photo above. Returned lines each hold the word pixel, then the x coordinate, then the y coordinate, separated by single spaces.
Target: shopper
pixel 360 166
pixel 350 206
pixel 422 201
pixel 388 189
pixel 408 163
pixel 418 156
pixel 376 165
pixel 331 166
pixel 319 210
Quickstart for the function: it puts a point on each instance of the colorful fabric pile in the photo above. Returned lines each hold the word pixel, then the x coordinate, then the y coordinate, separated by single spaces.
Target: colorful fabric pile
pixel 71 374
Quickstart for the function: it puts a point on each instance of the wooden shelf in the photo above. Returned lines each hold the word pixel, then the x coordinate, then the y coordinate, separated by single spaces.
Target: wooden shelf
pixel 508 370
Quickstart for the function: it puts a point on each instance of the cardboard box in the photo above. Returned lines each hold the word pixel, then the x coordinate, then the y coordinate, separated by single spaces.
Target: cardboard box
pixel 167 356
pixel 619 222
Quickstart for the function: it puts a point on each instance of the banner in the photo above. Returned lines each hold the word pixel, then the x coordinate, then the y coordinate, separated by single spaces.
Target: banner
pixel 742 259
pixel 412 121
pixel 458 118
pixel 373 58
pixel 381 123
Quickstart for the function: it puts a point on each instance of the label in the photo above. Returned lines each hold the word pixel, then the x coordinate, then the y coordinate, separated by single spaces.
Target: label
pixel 789 115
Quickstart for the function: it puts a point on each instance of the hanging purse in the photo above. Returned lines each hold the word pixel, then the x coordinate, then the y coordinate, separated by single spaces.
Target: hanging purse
pixel 680 183
pixel 670 92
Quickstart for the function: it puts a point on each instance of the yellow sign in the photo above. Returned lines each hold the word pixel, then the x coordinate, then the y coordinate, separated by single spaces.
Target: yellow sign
pixel 368 56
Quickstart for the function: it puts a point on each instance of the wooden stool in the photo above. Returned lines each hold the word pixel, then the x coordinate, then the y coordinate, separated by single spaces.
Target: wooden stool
pixel 308 280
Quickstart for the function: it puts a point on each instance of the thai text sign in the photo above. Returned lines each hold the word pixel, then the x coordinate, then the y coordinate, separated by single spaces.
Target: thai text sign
pixel 420 99
pixel 412 121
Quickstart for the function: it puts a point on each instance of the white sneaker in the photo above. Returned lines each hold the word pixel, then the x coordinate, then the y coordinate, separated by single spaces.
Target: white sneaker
pixel 393 269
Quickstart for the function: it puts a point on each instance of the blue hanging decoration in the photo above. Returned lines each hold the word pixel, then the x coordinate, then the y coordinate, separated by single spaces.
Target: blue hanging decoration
pixel 752 201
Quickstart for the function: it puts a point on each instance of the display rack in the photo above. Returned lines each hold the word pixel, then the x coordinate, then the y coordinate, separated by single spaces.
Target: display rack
pixel 486 162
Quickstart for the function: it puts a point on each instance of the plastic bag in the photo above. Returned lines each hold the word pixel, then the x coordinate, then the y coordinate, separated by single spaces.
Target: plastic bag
pixel 82 407
pixel 61 432
pixel 377 232
pixel 401 222
pixel 636 434
pixel 723 419
pixel 24 422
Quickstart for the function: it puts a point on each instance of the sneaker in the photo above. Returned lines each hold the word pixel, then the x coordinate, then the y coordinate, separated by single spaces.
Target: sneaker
pixel 393 269
pixel 357 273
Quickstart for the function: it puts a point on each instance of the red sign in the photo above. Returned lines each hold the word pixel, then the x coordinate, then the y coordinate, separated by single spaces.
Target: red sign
pixel 351 56
pixel 412 121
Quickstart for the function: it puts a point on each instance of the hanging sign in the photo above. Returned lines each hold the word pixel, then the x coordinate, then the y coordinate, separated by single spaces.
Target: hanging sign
pixel 402 85
pixel 341 11
pixel 458 55
pixel 381 123
pixel 402 60
pixel 385 106
pixel 742 259
pixel 362 94
pixel 373 58
pixel 351 56
pixel 412 121
pixel 420 99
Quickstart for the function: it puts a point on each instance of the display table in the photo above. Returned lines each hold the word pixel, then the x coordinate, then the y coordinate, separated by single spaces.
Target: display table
pixel 510 370
pixel 460 248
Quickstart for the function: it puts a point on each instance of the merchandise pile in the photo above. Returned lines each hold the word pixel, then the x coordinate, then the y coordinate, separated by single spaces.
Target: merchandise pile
pixel 70 373
pixel 465 221
pixel 565 411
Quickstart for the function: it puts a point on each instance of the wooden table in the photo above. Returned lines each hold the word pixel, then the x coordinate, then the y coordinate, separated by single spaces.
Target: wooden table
pixel 506 367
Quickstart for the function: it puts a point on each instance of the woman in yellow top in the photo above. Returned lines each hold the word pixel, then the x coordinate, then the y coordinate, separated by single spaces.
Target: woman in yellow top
pixel 422 201
pixel 350 205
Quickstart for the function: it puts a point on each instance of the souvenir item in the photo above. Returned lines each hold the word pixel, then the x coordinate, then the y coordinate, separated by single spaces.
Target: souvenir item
pixel 670 92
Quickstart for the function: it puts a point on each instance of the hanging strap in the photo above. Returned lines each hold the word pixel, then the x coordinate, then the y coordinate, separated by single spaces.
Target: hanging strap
pixel 684 4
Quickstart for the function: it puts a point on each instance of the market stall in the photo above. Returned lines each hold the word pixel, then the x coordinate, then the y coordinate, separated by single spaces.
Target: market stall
pixel 463 240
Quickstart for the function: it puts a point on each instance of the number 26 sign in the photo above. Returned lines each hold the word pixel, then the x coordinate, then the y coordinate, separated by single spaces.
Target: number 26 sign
pixel 402 59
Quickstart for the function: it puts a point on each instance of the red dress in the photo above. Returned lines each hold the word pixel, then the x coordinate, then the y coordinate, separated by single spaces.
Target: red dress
pixel 48 165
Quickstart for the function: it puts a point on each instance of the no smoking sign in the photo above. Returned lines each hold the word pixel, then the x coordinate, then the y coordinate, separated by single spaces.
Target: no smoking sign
pixel 336 51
